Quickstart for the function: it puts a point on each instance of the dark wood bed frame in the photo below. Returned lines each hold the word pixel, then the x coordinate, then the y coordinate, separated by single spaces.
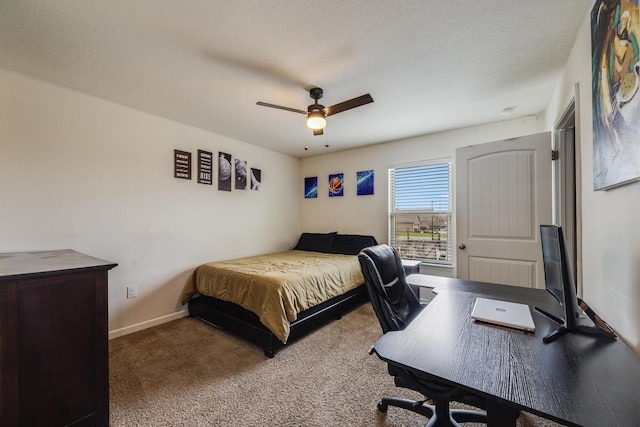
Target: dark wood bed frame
pixel 246 324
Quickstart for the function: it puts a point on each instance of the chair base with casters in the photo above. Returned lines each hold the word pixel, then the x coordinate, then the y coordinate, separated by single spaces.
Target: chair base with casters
pixel 439 413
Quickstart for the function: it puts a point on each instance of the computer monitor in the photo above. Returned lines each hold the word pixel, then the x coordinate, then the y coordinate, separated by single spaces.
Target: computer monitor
pixel 558 278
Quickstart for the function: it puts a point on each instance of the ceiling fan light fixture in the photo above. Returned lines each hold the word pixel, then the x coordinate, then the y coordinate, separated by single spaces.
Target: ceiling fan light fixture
pixel 317 113
pixel 316 119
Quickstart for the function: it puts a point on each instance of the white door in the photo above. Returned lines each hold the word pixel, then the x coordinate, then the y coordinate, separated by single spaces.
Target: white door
pixel 503 194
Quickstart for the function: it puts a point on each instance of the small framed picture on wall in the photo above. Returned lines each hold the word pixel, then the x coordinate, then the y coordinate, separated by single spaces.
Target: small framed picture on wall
pixel 241 174
pixel 205 167
pixel 256 179
pixel 364 183
pixel 224 171
pixel 181 164
pixel 336 185
pixel 311 187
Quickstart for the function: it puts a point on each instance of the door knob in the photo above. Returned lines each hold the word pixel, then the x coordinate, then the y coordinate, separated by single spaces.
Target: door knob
pixel 462 246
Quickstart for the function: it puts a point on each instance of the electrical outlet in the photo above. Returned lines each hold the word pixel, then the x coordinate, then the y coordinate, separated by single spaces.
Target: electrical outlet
pixel 132 291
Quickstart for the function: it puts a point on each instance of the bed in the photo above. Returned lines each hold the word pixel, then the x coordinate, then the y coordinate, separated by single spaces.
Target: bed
pixel 273 299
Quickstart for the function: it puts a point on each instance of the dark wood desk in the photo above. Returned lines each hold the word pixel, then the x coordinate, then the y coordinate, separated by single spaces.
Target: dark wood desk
pixel 578 380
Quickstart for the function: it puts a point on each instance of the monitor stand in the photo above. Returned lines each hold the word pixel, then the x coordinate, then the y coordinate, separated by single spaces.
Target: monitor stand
pixel 600 328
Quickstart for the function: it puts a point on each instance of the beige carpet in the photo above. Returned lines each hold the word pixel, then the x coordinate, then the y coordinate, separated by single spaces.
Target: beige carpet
pixel 187 373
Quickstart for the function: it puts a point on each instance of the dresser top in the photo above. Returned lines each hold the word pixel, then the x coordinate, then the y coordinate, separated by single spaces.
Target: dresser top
pixel 15 264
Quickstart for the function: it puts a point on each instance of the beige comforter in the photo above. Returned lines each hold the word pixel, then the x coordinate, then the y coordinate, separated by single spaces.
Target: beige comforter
pixel 277 286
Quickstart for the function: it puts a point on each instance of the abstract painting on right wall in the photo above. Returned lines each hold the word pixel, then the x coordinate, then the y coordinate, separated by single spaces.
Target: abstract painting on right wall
pixel 615 68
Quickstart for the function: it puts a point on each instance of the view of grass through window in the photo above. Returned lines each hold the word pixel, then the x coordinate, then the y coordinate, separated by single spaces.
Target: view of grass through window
pixel 420 212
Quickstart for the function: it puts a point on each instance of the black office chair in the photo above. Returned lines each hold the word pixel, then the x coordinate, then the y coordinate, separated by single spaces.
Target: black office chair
pixel 396 306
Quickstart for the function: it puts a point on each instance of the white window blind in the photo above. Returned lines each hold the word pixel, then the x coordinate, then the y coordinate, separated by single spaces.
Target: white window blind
pixel 420 212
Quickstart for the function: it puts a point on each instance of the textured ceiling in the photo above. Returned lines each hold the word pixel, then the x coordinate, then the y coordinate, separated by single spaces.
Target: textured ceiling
pixel 429 65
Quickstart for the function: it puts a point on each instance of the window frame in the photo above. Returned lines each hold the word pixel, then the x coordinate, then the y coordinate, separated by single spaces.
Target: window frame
pixel 393 212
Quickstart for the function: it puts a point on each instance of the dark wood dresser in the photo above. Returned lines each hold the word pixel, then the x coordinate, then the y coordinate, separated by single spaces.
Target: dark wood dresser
pixel 54 365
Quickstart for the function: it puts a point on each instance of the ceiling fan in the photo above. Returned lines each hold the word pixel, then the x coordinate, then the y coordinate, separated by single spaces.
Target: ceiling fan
pixel 317 114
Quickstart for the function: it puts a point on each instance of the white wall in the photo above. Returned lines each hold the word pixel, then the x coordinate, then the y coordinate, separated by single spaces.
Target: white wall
pixel 610 236
pixel 82 173
pixel 368 214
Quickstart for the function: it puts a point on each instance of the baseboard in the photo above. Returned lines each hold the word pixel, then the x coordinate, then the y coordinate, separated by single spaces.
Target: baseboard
pixel 147 324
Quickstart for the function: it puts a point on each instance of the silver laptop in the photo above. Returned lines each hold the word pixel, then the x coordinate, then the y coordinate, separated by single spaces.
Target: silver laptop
pixel 503 313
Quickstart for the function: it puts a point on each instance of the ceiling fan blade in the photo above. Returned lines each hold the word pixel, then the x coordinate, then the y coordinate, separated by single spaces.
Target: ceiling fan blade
pixel 347 105
pixel 280 107
pixel 317 132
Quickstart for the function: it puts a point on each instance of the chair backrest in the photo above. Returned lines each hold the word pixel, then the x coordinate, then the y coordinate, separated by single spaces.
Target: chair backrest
pixel 393 301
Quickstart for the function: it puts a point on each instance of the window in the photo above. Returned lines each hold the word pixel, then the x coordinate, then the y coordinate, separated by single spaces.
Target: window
pixel 420 212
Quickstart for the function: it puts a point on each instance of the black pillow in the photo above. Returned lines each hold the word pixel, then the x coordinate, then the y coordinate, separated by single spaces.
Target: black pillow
pixel 351 244
pixel 317 242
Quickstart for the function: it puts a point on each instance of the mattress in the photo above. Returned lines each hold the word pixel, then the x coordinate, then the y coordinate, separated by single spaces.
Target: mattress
pixel 277 286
